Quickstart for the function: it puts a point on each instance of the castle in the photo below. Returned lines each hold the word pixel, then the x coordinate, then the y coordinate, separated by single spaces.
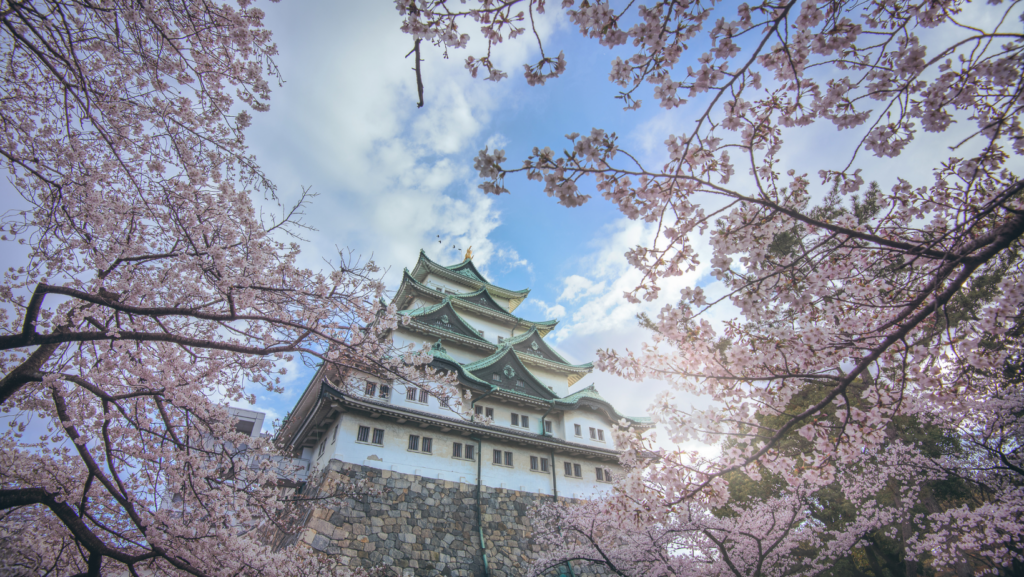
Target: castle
pixel 524 435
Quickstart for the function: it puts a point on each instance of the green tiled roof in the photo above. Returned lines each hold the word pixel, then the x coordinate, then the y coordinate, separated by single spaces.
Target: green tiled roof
pixel 518 339
pixel 476 278
pixel 426 310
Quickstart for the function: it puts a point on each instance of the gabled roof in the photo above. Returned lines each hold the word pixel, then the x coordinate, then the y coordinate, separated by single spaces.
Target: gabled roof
pixel 590 396
pixel 442 316
pixel 468 276
pixel 506 370
pixel 466 269
pixel 479 301
pixel 532 343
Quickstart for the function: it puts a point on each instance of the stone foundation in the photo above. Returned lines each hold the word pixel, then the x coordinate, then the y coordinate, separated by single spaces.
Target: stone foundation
pixel 426 527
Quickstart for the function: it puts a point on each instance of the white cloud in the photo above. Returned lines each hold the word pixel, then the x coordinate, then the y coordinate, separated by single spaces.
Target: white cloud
pixel 577 286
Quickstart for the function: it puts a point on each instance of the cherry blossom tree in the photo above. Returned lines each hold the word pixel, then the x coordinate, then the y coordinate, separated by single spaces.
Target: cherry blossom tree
pixel 153 287
pixel 824 299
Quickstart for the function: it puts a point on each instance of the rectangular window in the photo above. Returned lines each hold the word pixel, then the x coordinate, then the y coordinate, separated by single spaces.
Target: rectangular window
pixel 385 391
pixel 525 421
pixel 600 474
pixel 544 464
pixel 600 434
pixel 335 439
pixel 363 435
pixel 547 426
pixel 593 433
pixel 579 430
pixel 457 450
pixel 489 412
pixel 478 410
pixel 414 442
pixel 496 377
pixel 371 389
pixel 469 452
pixel 410 393
pixel 497 457
pixel 515 420
pixel 577 470
pixel 568 469
pixel 508 458
pixel 607 476
pixel 378 436
pixel 428 445
pixel 423 395
pixel 534 463
pixel 323 444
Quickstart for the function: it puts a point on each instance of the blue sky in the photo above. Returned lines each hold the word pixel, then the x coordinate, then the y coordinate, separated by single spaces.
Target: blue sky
pixel 393 178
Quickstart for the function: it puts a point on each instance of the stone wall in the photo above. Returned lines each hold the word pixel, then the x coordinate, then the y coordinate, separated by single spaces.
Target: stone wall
pixel 426 527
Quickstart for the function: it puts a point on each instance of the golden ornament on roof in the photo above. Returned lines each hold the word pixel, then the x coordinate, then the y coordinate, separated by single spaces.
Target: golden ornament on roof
pixel 469 253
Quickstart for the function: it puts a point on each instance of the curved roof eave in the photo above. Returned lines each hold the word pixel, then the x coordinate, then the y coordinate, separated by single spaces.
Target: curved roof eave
pixel 516 296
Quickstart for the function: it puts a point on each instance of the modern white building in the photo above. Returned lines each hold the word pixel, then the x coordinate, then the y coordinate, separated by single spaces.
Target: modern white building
pixel 533 428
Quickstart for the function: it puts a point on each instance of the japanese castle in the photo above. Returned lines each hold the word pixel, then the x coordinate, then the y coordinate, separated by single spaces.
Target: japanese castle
pixel 533 426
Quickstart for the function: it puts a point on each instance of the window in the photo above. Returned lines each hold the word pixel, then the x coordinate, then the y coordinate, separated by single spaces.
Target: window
pixel 378 436
pixel 547 426
pixel 515 420
pixel 501 339
pixel 363 436
pixel 481 333
pixel 428 445
pixel 544 464
pixel 469 452
pixel 385 391
pixel 334 440
pixel 539 464
pixel 496 377
pixel 579 430
pixel 607 476
pixel 478 410
pixel 534 463
pixel 573 470
pixel 497 457
pixel 423 395
pixel 457 450
pixel 410 393
pixel 600 435
pixel 593 433
pixel 525 421
pixel 508 458
pixel 600 474
pixel 323 444
pixel 371 389
pixel 520 421
pixel 414 442
pixel 489 412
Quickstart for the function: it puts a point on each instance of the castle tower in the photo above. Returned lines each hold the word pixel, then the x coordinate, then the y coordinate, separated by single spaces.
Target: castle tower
pixel 535 428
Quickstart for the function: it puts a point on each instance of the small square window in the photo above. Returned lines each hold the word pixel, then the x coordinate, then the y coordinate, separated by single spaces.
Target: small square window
pixel 385 391
pixel 423 395
pixel 497 457
pixel 469 452
pixel 371 389
pixel 410 393
pixel 600 434
pixel 607 476
pixel 515 420
pixel 508 458
pixel 579 430
pixel 363 435
pixel 414 442
pixel 378 436
pixel 496 377
pixel 568 469
pixel 428 445
pixel 478 410
pixel 489 412
pixel 457 450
